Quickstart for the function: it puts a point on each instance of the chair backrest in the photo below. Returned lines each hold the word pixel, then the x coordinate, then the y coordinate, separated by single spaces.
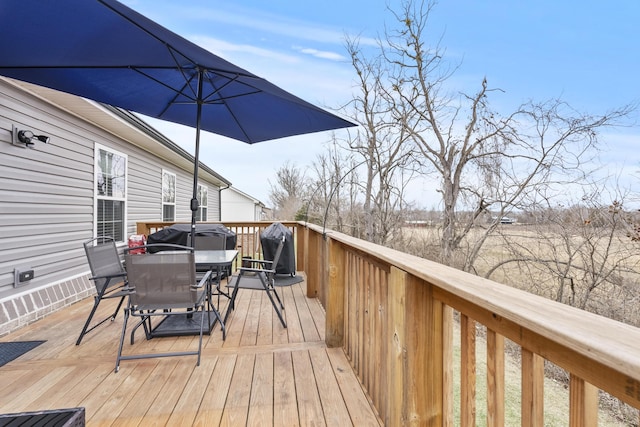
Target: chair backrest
pixel 276 256
pixel 163 279
pixel 208 242
pixel 104 260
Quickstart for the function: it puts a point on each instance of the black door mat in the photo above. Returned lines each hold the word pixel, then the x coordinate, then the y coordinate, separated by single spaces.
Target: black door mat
pixel 12 350
pixel 72 417
pixel 287 279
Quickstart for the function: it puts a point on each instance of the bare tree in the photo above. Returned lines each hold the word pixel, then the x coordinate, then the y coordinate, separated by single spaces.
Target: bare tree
pixel 333 202
pixel 571 253
pixel 386 156
pixel 484 160
pixel 288 192
pixel 317 198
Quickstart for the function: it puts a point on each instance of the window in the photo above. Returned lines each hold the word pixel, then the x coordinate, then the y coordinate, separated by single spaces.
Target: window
pixel 203 201
pixel 168 196
pixel 110 193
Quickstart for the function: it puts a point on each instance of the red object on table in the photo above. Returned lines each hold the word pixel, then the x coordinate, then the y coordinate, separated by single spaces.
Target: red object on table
pixel 137 240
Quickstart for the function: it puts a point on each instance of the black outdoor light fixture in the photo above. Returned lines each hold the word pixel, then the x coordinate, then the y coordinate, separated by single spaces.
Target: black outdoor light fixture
pixel 24 138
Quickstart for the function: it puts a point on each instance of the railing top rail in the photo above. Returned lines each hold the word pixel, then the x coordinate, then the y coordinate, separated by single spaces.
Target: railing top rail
pixel 600 339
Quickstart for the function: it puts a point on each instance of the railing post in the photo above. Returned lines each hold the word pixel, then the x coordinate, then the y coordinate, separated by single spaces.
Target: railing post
pixel 532 389
pixel 334 333
pixel 467 372
pixel 583 403
pixel 141 228
pixel 495 379
pixel 398 348
pixel 314 266
pixel 416 366
pixel 301 247
pixel 447 366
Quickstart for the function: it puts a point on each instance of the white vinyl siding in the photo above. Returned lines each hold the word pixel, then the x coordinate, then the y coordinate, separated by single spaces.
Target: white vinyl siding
pixel 48 203
pixel 238 206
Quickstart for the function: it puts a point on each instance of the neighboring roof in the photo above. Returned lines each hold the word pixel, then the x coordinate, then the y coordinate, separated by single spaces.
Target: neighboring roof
pixel 247 196
pixel 143 126
pixel 122 124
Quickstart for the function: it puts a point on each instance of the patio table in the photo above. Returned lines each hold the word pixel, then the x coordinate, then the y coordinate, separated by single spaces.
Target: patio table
pixel 189 324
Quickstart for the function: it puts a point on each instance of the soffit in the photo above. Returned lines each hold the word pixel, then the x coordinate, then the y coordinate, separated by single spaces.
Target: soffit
pixel 123 125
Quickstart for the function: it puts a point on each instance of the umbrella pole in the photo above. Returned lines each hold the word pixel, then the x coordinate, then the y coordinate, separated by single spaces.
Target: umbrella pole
pixel 196 166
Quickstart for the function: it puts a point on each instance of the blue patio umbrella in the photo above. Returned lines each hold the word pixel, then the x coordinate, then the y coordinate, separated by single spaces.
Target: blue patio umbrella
pixel 107 52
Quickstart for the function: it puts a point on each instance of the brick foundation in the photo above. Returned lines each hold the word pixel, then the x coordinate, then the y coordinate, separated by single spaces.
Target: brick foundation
pixel 28 307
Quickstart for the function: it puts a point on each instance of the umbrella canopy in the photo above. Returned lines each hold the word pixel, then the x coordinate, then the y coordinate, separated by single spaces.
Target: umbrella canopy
pixel 107 52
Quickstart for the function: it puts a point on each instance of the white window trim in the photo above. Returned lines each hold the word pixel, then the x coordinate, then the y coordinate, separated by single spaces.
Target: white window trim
pixel 175 195
pixel 203 206
pixel 97 147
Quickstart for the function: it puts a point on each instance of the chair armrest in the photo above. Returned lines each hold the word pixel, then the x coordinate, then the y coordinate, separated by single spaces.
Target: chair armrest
pixel 108 276
pixel 258 261
pixel 203 281
pixel 256 270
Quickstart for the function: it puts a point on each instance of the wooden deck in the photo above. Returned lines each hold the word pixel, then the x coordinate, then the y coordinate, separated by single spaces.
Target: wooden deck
pixel 262 374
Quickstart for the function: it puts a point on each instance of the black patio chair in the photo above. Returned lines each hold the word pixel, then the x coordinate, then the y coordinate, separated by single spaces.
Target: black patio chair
pixel 162 284
pixel 259 277
pixel 211 242
pixel 108 276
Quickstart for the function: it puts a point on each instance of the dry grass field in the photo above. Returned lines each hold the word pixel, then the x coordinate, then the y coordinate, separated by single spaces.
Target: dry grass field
pixel 617 297
pixel 569 267
pixel 556 394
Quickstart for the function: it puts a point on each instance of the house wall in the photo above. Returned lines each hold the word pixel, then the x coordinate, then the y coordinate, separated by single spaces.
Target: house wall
pixel 237 207
pixel 47 203
pixel 145 189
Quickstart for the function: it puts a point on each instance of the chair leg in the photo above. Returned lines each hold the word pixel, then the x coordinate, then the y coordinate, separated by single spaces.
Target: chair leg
pixel 115 313
pixel 277 297
pixel 124 332
pixel 267 283
pixel 201 333
pixel 219 290
pixel 232 304
pixel 96 301
pixel 275 307
pixel 268 287
pixel 277 310
pixel 145 322
pixel 85 330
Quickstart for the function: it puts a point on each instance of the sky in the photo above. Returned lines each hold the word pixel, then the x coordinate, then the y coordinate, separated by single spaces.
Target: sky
pixel 587 53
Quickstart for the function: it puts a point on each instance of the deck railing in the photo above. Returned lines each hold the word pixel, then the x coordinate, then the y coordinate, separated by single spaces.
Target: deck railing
pixel 247 234
pixel 393 314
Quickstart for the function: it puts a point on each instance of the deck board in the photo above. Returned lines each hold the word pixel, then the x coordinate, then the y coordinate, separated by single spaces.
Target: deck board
pixel 133 411
pixel 334 408
pixel 306 390
pixel 261 401
pixel 357 402
pixel 210 412
pixel 263 374
pixel 237 405
pixel 285 406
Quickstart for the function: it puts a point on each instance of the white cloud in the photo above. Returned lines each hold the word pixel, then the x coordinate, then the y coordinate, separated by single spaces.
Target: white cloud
pixel 322 54
pixel 320 77
pixel 301 57
pixel 260 21
pixel 226 49
pixel 303 72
